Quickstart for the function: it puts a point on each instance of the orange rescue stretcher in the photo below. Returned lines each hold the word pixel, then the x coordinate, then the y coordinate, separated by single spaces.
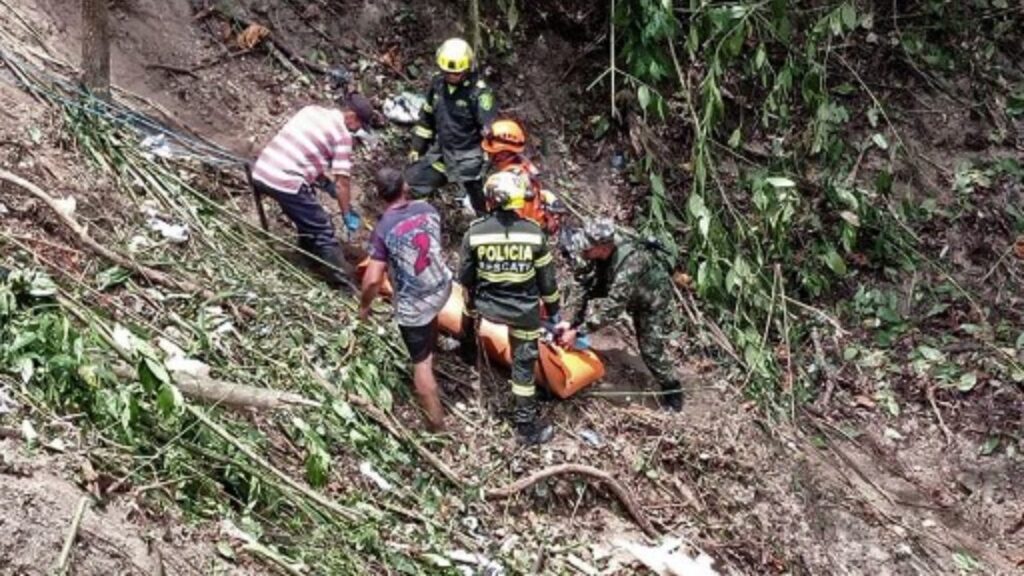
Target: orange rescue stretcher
pixel 563 372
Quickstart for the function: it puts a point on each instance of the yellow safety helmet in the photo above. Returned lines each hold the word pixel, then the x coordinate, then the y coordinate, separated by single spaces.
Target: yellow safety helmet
pixel 506 190
pixel 455 56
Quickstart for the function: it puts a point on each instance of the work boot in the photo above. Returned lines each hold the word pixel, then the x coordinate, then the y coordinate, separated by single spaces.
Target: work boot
pixel 530 429
pixel 672 399
pixel 333 272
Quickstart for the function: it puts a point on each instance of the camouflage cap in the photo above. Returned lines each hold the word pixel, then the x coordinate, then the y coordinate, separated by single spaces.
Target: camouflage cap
pixel 599 231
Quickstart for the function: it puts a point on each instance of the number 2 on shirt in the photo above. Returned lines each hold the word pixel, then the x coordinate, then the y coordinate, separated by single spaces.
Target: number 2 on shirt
pixel 422 243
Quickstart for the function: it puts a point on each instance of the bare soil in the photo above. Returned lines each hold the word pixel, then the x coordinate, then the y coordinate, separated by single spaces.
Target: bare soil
pixel 38 500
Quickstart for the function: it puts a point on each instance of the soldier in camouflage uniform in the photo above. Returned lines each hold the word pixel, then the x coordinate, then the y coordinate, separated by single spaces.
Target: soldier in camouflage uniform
pixel 627 276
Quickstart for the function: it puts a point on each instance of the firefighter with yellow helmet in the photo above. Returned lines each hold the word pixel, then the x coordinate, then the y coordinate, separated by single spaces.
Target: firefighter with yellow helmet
pixel 508 273
pixel 446 140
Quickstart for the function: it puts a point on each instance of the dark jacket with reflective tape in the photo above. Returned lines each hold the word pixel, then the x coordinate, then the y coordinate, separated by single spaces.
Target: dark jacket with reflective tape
pixel 508 270
pixel 454 115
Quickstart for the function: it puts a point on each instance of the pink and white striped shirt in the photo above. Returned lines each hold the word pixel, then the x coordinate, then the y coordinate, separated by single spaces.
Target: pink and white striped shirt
pixel 314 142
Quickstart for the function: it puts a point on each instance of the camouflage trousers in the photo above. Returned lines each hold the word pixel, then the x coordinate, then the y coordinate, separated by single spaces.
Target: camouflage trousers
pixel 653 331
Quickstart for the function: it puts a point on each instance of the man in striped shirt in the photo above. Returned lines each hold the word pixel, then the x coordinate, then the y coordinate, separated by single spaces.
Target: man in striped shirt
pixel 315 148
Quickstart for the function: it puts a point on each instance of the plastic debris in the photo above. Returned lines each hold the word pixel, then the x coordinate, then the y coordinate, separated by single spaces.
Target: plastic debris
pixel 157 145
pixel 366 469
pixel 7 404
pixel 28 432
pixel 404 108
pixel 591 437
pixel 174 233
pixel 66 206
pixel 487 566
pixel 667 560
pixel 447 343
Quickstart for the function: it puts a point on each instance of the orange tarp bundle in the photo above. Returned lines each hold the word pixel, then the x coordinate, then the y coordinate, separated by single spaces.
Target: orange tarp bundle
pixel 562 371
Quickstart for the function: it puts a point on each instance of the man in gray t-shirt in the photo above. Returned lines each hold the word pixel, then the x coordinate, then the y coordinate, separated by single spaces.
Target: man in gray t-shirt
pixel 407 243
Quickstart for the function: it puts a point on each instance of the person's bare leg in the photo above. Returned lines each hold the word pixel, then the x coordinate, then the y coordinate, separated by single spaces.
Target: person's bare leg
pixel 426 389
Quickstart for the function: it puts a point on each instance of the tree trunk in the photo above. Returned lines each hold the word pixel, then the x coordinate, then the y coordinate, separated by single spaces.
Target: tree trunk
pixel 96 47
pixel 474 26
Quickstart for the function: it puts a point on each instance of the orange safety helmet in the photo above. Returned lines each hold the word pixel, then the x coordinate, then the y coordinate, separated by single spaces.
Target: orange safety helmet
pixel 505 136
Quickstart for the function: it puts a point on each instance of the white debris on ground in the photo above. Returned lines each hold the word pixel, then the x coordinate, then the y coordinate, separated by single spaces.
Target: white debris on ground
pixel 669 559
pixel 404 108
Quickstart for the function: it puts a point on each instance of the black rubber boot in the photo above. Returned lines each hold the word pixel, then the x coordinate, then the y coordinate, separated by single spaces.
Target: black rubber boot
pixel 468 346
pixel 333 272
pixel 530 429
pixel 672 400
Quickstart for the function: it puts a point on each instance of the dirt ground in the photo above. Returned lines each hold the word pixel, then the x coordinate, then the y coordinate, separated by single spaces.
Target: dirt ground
pixel 38 500
pixel 851 491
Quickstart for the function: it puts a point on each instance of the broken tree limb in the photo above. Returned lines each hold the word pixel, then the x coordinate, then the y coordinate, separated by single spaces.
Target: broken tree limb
pixel 221 393
pixel 64 561
pixel 150 274
pixel 399 431
pixel 83 236
pixel 589 471
pixel 238 395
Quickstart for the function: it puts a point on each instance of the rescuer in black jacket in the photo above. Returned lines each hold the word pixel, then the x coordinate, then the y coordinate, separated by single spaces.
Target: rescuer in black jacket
pixel 446 139
pixel 508 273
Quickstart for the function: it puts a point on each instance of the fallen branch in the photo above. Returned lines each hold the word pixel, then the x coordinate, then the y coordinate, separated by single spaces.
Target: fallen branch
pixel 222 393
pixel 64 561
pixel 930 393
pixel 173 69
pixel 150 274
pixel 620 492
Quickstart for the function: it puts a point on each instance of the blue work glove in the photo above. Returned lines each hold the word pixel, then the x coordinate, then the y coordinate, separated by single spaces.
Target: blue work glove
pixel 582 341
pixel 352 221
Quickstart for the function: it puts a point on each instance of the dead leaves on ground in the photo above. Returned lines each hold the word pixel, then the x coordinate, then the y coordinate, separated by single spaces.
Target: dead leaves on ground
pixel 1018 247
pixel 252 36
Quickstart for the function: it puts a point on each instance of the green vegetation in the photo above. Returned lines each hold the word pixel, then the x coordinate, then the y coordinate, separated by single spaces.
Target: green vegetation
pixel 774 198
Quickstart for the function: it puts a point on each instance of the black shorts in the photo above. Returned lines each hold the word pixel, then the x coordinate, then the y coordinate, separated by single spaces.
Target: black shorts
pixel 420 340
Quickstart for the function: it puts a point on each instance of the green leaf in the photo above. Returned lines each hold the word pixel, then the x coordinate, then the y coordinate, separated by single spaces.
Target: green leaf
pixel 844 89
pixel 929 353
pixel 111 277
pixel 849 16
pixel 967 382
pixel 170 401
pixel 1020 341
pixel 990 445
pixel 696 206
pixel 835 262
pixel 152 374
pixel 880 141
pixel 734 139
pixel 760 57
pixel 780 182
pixel 225 550
pixel 966 563
pixel 42 286
pixel 318 465
pixel 643 94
